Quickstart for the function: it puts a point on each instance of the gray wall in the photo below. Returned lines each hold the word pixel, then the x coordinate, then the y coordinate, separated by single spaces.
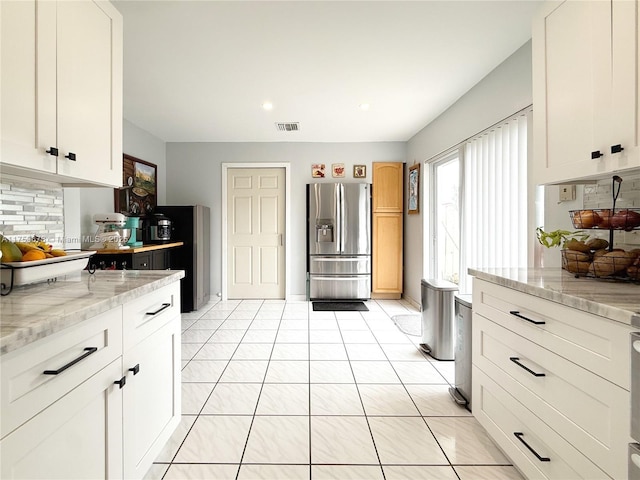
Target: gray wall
pixel 136 142
pixel 504 91
pixel 195 171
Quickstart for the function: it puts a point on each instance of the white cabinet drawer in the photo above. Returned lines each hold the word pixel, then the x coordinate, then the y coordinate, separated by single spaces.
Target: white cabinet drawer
pixel 595 343
pixel 69 357
pixel 504 417
pixel 145 315
pixel 588 411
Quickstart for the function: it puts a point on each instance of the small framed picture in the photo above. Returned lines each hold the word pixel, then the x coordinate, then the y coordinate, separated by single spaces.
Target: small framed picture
pixel 414 189
pixel 317 170
pixel 359 171
pixel 337 170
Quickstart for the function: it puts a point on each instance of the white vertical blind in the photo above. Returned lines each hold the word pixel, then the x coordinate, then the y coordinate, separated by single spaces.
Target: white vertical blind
pixel 494 199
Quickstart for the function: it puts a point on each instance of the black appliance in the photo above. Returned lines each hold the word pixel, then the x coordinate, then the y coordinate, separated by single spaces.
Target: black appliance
pixel 190 224
pixel 155 228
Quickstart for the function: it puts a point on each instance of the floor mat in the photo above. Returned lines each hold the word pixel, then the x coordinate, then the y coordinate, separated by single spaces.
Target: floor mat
pixel 339 307
pixel 409 324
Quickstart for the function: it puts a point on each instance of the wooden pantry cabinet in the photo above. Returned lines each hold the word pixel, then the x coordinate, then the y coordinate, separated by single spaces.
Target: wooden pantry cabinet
pixel 61 88
pixel 585 93
pixel 387 241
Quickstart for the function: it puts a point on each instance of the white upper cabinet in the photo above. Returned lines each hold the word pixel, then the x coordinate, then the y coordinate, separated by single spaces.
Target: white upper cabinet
pixel 62 91
pixel 585 90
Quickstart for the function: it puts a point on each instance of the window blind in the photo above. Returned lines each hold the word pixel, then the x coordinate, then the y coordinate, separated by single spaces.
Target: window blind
pixel 494 197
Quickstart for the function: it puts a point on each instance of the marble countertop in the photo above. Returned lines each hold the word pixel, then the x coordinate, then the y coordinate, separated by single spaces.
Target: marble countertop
pixel 614 300
pixel 32 312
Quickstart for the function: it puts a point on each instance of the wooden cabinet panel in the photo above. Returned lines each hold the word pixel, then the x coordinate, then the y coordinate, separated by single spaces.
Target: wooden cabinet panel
pixel 387 187
pixel 387 240
pixel 387 253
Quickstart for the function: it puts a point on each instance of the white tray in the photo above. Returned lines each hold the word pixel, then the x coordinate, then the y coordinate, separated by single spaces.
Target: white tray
pixel 39 270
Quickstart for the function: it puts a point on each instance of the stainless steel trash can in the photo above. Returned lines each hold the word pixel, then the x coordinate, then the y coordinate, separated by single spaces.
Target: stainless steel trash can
pixel 461 393
pixel 437 318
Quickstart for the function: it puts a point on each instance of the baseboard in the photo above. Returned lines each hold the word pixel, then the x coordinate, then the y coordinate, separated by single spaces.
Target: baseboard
pixel 386 296
pixel 412 302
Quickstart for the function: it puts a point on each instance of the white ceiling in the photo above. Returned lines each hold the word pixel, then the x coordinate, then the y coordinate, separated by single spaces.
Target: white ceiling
pixel 199 71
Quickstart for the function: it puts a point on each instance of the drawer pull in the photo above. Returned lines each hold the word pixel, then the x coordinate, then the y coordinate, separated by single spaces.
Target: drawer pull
pixel 516 360
pixel 135 369
pixel 519 437
pixel 88 350
pixel 516 313
pixel 121 383
pixel 163 307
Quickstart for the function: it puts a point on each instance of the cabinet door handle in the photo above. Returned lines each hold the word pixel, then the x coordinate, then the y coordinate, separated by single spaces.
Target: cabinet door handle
pixel 71 156
pixel 516 360
pixel 596 154
pixel 121 383
pixel 163 307
pixel 88 351
pixel 519 436
pixel 516 313
pixel 616 148
pixel 52 151
pixel 135 369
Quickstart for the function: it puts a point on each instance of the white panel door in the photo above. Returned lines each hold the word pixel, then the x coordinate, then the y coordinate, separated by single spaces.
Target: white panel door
pixel 255 232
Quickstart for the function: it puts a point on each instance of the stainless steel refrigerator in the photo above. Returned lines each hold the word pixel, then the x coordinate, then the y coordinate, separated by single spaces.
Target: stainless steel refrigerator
pixel 339 241
pixel 191 224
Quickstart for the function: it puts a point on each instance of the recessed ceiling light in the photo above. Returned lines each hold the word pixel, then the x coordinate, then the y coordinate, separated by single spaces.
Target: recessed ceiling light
pixel 267 106
pixel 364 106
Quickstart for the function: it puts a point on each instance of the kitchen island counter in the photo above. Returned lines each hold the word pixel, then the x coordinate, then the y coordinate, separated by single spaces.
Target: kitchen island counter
pixel 36 311
pixel 617 301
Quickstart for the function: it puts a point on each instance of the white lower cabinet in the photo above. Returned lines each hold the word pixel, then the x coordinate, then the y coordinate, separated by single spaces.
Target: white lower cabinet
pixel 540 391
pixel 77 437
pixel 87 402
pixel 151 398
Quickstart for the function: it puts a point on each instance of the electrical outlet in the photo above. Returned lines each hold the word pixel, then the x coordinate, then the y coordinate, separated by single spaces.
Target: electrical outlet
pixel 567 193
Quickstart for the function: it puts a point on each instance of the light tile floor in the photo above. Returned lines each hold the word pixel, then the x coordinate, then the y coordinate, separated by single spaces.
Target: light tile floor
pixel 274 390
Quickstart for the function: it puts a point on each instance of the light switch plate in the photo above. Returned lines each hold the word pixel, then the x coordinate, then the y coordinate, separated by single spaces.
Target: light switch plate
pixel 567 193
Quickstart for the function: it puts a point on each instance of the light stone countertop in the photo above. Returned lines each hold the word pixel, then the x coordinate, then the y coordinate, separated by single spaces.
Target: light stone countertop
pixel 34 311
pixel 617 301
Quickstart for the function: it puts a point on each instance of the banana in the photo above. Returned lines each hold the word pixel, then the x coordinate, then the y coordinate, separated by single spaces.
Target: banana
pixel 25 247
pixel 58 253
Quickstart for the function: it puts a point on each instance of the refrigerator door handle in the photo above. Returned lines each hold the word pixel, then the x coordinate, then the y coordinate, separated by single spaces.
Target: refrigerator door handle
pixel 342 212
pixel 338 204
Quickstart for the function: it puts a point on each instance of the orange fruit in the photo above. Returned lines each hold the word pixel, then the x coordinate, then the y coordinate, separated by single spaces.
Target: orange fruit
pixel 34 254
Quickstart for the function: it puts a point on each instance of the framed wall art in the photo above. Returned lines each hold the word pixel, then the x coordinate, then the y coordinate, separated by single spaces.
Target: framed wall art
pixel 414 189
pixel 337 170
pixel 139 193
pixel 359 171
pixel 317 170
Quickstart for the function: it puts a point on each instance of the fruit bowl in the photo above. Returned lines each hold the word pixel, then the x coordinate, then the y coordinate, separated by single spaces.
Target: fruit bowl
pixel 605 218
pixel 46 269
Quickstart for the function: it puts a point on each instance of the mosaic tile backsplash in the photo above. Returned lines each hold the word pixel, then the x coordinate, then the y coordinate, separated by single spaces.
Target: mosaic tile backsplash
pixel 29 208
pixel 599 195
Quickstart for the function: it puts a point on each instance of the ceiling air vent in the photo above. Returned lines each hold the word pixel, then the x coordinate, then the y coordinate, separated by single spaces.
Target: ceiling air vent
pixel 288 126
